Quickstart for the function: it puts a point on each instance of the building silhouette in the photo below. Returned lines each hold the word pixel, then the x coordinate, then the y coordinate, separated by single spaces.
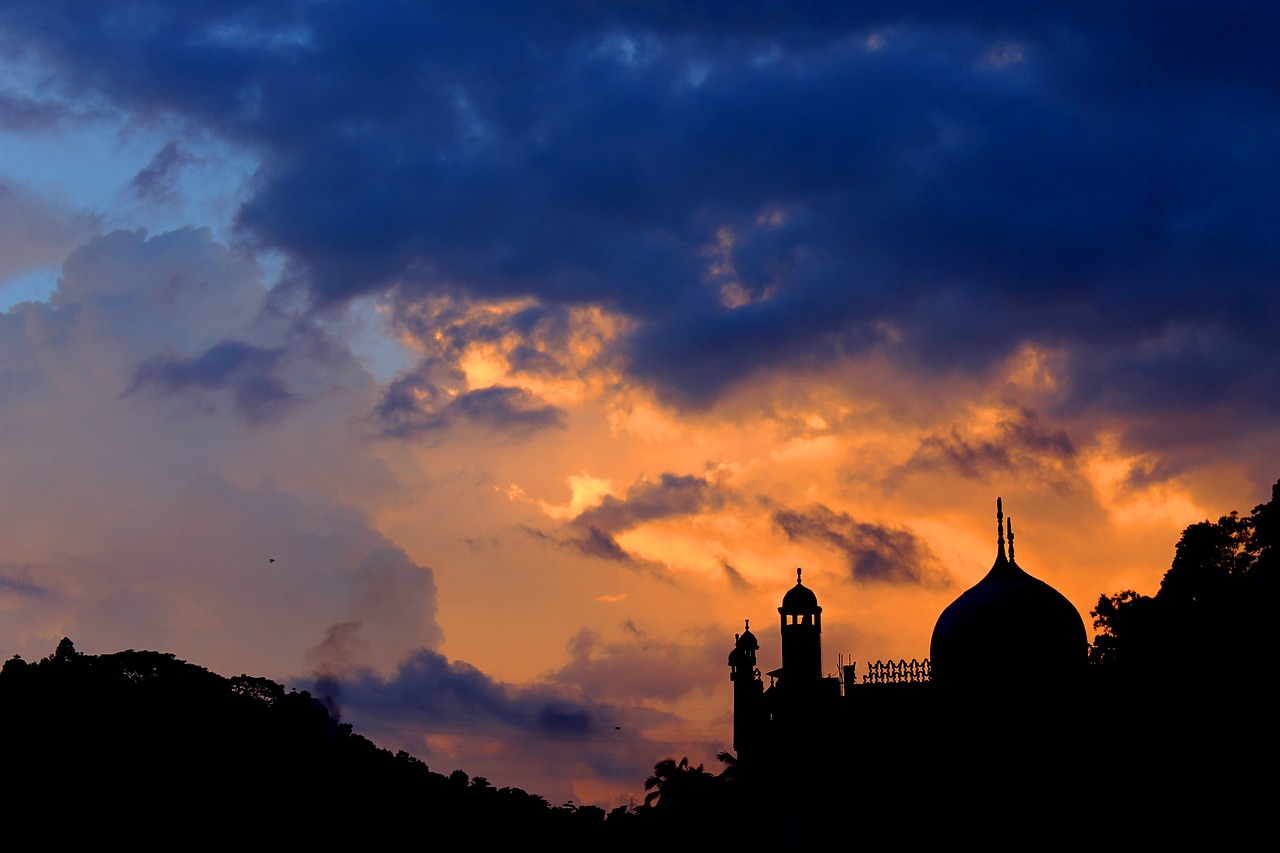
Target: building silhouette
pixel 1004 737
pixel 1010 633
pixel 1001 697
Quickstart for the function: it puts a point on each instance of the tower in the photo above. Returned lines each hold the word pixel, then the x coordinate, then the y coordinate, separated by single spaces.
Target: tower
pixel 747 693
pixel 801 637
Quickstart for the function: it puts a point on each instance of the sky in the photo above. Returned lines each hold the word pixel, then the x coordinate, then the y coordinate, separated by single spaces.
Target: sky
pixel 483 367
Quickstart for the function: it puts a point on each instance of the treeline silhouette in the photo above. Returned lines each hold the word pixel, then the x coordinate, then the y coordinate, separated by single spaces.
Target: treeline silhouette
pixel 1214 616
pixel 142 746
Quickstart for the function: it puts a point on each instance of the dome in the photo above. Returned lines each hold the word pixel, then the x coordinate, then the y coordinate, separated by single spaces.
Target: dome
pixel 1008 629
pixel 799 599
pixel 745 647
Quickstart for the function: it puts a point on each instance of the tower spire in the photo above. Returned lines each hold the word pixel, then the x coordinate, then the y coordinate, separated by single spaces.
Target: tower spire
pixel 1000 527
pixel 1008 523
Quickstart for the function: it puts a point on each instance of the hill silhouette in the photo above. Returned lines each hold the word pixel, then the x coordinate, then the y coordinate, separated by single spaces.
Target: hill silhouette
pixel 140 745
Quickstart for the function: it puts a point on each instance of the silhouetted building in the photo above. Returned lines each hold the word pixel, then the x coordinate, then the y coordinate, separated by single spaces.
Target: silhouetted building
pixel 999 738
pixel 1009 632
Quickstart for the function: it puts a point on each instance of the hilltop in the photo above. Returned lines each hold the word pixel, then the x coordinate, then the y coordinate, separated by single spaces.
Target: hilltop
pixel 143 746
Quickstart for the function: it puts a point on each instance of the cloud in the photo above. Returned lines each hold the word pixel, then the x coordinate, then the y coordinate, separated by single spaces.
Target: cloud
pixel 593 531
pixel 670 496
pixel 981 185
pixel 413 408
pixel 23 112
pixel 248 370
pixel 597 544
pixel 643 667
pixel 505 367
pixel 451 714
pixel 736 580
pixel 17 581
pixel 1021 442
pixel 35 231
pixel 158 179
pixel 339 651
pixel 873 552
pixel 216 538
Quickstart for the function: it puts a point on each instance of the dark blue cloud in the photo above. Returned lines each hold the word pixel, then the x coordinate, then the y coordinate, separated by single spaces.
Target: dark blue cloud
pixel 429 694
pixel 249 371
pixel 17 581
pixel 873 552
pixel 157 180
pixel 412 406
pixel 941 183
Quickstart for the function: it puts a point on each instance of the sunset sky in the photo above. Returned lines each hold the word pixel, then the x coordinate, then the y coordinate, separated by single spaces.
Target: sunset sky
pixel 482 366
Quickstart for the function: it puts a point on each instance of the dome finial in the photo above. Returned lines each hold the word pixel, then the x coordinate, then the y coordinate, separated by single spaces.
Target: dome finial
pixel 1008 523
pixel 746 624
pixel 1000 525
pixel 797 576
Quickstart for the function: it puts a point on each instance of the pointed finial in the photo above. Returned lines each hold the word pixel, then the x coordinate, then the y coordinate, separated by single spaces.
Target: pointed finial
pixel 1000 525
pixel 797 576
pixel 1008 523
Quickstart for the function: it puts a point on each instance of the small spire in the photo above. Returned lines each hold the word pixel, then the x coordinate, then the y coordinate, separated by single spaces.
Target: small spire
pixel 1000 525
pixel 1008 522
pixel 746 624
pixel 798 576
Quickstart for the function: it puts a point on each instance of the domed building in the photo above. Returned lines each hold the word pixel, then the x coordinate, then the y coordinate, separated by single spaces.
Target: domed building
pixel 1009 630
pixel 994 739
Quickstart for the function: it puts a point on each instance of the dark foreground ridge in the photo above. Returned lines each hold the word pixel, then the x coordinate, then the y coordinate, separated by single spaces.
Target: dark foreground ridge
pixel 144 748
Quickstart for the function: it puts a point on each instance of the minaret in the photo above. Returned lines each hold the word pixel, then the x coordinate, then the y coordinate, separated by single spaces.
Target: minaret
pixel 801 637
pixel 747 691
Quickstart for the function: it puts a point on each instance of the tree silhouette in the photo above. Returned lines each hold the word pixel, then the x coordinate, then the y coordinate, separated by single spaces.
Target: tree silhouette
pixel 731 770
pixel 1215 607
pixel 677 786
